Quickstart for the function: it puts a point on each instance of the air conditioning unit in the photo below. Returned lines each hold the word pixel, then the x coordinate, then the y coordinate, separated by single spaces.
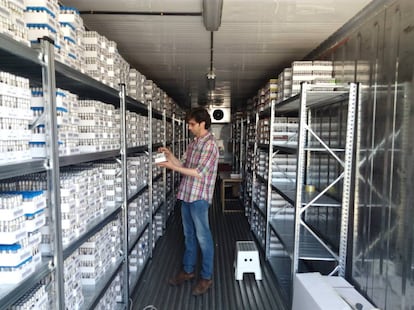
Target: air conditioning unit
pixel 219 115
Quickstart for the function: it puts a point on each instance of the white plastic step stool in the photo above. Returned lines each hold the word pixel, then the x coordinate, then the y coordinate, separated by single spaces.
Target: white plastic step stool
pixel 247 260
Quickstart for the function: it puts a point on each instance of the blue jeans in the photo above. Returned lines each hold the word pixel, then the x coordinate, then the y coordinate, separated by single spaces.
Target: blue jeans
pixel 196 227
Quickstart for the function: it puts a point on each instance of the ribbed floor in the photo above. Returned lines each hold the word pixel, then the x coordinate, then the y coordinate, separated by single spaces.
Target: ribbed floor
pixel 226 292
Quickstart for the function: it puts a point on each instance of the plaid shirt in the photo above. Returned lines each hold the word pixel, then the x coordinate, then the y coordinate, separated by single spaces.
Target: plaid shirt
pixel 202 154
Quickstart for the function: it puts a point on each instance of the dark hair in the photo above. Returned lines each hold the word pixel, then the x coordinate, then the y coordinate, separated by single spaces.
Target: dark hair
pixel 199 115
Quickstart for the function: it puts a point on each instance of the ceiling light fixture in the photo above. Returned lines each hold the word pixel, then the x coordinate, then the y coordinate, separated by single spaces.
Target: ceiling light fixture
pixel 212 10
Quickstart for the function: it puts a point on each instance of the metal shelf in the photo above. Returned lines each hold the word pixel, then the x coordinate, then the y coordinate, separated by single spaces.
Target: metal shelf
pixel 156 114
pixel 281 267
pixel 137 149
pixel 83 158
pixel 263 212
pixel 84 86
pixel 135 238
pixel 288 192
pixel 157 177
pixel 322 149
pixel 15 169
pixel 158 209
pixel 93 293
pixel 157 145
pixel 309 249
pixel 136 106
pixel 136 275
pixel 263 146
pixel 95 226
pixel 20 59
pixel 169 193
pixel 314 98
pixel 9 294
pixel 139 192
pixel 285 148
pixel 266 112
pixel 261 178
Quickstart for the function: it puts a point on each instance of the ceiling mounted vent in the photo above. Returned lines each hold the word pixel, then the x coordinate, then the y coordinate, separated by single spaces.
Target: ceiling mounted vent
pixel 219 115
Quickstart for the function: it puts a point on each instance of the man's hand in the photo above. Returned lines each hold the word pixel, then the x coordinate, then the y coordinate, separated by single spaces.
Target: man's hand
pixel 166 151
pixel 166 164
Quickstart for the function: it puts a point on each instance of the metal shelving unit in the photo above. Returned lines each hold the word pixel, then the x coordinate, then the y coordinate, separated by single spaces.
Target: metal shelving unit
pixel 39 66
pixel 300 240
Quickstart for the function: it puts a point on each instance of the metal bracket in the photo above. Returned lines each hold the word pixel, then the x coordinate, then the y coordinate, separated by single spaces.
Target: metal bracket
pixel 39 121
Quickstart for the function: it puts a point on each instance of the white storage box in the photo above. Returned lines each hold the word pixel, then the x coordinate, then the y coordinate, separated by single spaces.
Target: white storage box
pixel 35 223
pixel 17 274
pixel 16 258
pixel 312 291
pixel 11 214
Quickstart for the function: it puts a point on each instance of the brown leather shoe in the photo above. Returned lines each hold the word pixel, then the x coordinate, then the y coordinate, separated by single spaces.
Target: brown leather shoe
pixel 202 286
pixel 181 277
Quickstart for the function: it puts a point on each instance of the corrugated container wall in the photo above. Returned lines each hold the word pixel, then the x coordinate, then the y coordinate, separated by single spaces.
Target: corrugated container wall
pixel 379 53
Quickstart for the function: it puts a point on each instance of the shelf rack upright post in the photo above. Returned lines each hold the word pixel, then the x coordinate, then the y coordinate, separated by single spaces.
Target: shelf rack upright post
pixel 124 169
pixel 150 176
pixel 164 171
pixel 53 175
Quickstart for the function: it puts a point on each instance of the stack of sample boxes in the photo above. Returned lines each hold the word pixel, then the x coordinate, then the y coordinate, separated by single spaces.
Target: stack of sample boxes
pixel 313 72
pixel 94 56
pixel 98 127
pixel 15 118
pixel 98 253
pixel 284 84
pixel 149 87
pixel 168 105
pixel 260 103
pixel 137 129
pixel 138 214
pixel 137 173
pixel 271 90
pixel 135 85
pixel 22 215
pixel 41 20
pixel 12 21
pixel 72 29
pixel 156 97
pixel 38 139
pixel 285 131
pixel 116 65
pixel 74 298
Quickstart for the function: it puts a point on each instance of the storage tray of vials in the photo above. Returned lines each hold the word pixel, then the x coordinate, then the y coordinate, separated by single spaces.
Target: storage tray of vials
pixel 13 255
pixel 13 275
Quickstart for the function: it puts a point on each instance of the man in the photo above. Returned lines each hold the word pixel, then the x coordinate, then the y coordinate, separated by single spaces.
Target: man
pixel 199 170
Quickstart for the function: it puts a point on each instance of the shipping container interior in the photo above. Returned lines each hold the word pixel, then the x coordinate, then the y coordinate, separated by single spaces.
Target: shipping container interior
pixel 310 104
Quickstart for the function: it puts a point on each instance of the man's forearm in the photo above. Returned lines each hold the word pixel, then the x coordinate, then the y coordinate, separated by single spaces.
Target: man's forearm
pixel 187 171
pixel 176 161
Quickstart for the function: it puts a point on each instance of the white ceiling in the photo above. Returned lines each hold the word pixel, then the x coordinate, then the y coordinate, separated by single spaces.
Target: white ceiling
pixel 257 39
